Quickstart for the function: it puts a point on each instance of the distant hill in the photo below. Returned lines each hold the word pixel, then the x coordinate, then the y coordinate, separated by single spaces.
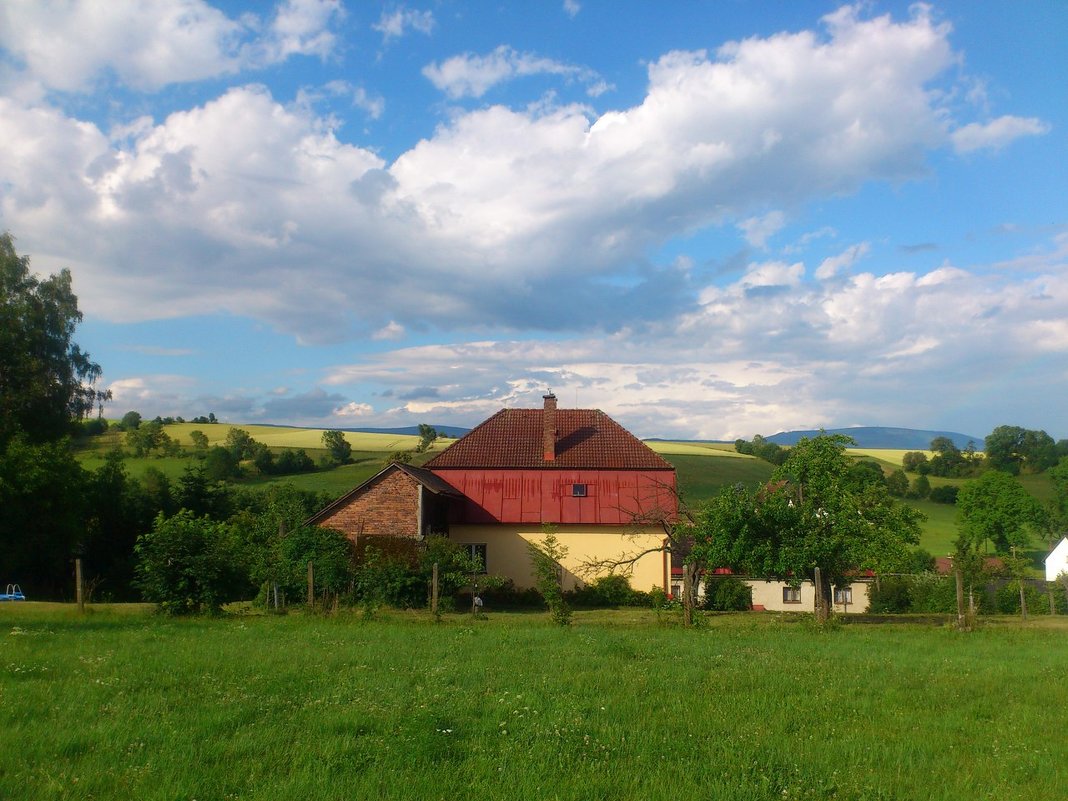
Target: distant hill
pixel 910 439
pixel 446 431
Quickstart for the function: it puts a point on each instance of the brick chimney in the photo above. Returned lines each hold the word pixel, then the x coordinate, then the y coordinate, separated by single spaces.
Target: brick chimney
pixel 548 423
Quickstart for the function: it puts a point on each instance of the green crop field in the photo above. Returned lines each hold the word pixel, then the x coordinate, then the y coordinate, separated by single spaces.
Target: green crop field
pixel 666 448
pixel 749 706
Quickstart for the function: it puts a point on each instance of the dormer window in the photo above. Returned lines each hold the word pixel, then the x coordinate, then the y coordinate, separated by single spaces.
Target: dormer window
pixel 578 490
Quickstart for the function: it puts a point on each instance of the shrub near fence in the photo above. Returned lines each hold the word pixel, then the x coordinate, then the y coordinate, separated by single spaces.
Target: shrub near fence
pixel 934 593
pixel 1036 594
pixel 728 594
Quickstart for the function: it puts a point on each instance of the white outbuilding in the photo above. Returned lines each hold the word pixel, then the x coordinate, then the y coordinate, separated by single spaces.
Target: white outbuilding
pixel 1057 561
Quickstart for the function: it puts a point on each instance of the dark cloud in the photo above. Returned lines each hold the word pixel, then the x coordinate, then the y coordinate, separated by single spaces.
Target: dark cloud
pixel 420 393
pixel 313 405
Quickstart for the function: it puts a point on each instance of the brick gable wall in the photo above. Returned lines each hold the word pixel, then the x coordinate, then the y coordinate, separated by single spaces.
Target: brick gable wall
pixel 389 507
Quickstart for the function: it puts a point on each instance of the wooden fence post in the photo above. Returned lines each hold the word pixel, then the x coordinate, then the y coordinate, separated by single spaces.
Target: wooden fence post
pixel 687 597
pixel 311 585
pixel 434 591
pixel 79 586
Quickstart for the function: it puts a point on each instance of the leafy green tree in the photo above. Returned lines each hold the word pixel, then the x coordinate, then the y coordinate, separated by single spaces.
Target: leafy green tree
pixel 948 460
pixel 294 460
pixel 997 508
pixel 157 492
pixel 148 437
pixel 199 440
pixel 947 493
pixel 45 379
pixel 1012 449
pixel 189 564
pixel 546 558
pixel 330 551
pixel 862 473
pixel 42 515
pixel 912 461
pixel 266 518
pixel 808 516
pixel 202 495
pixel 921 487
pixel 240 444
pixel 897 484
pixel 130 421
pixel 335 442
pixel 427 435
pixel 1057 509
pixel 762 449
pixel 119 509
pixel 263 459
pixel 220 464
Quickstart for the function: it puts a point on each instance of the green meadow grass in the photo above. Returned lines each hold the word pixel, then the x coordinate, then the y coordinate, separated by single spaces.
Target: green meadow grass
pixel 749 706
pixel 701 477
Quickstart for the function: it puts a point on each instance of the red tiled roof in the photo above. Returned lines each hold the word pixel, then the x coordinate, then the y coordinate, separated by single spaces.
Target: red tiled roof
pixel 586 439
pixel 944 564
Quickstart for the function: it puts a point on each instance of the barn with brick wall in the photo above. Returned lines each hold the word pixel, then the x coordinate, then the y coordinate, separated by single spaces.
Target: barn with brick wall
pixel 496 489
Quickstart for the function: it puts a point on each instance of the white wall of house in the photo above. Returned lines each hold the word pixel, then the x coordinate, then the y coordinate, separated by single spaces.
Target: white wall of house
pixel 1057 561
pixel 778 596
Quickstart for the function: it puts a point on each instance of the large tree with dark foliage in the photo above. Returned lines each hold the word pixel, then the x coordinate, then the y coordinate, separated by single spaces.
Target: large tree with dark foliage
pixel 46 380
pixel 820 510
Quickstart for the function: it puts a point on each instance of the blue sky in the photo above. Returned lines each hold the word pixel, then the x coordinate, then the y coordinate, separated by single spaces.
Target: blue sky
pixel 708 219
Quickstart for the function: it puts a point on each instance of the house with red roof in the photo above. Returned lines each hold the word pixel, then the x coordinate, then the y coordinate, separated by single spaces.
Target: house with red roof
pixel 604 491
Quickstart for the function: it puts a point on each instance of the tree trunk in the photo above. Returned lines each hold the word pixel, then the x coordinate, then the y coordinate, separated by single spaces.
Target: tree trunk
pixel 687 596
pixel 820 607
pixel 1023 600
pixel 434 591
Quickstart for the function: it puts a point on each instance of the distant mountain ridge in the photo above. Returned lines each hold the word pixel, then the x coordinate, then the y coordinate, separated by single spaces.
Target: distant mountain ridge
pixel 911 439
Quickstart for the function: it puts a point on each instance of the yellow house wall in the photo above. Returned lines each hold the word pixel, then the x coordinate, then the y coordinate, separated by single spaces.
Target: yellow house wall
pixel 769 595
pixel 507 554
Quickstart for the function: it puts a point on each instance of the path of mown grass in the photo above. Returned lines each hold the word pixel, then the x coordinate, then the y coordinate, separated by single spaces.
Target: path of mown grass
pixel 617 707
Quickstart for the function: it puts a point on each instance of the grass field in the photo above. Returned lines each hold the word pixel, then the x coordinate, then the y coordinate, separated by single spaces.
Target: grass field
pixel 618 706
pixel 697 449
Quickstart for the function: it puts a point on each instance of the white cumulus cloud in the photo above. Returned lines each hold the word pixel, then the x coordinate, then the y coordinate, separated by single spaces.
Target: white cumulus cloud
pixel 471 75
pixel 996 134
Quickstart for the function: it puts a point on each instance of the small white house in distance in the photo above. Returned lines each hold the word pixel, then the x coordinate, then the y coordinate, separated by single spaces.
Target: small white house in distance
pixel 1057 561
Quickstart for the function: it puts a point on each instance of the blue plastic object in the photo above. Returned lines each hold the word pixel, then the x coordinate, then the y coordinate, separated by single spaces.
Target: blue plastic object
pixel 13 593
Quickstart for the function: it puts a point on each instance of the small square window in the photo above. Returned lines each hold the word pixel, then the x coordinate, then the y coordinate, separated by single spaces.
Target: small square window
pixel 477 550
pixel 791 595
pixel 843 595
pixel 578 490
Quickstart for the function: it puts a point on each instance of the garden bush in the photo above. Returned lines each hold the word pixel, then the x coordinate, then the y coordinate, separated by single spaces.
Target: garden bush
pixel 890 596
pixel 607 591
pixel 728 594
